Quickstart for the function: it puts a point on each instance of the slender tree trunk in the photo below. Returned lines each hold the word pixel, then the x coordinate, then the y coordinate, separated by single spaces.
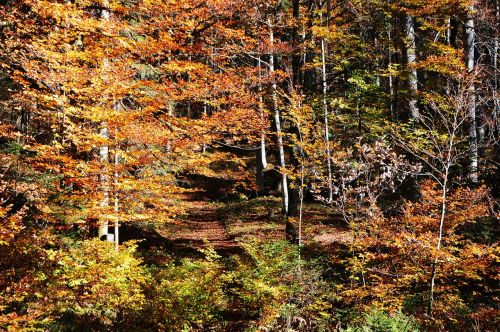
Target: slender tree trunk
pixel 277 121
pixel 104 158
pixel 469 51
pixel 104 180
pixel 293 190
pixel 448 42
pixel 262 151
pixel 116 207
pixel 391 79
pixel 495 60
pixel 325 112
pixel 259 168
pixel 301 191
pixel 444 193
pixel 261 159
pixel 444 190
pixel 411 58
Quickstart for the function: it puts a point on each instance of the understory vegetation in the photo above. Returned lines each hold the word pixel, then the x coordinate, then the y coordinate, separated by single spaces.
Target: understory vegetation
pixel 270 287
pixel 249 165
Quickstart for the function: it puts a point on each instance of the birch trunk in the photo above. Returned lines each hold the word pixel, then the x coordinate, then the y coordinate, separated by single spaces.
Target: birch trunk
pixel 444 191
pixel 261 159
pixel 469 51
pixel 116 207
pixel 411 58
pixel 104 180
pixel 104 159
pixel 277 121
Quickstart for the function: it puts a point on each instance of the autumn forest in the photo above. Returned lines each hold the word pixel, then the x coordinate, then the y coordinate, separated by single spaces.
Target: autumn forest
pixel 249 165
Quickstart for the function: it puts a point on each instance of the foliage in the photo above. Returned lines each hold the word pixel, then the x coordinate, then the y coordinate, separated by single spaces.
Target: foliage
pixel 282 290
pixel 93 284
pixel 380 321
pixel 76 286
pixel 383 117
pixel 392 258
pixel 188 295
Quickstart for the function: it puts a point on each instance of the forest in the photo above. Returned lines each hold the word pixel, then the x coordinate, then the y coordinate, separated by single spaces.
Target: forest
pixel 249 165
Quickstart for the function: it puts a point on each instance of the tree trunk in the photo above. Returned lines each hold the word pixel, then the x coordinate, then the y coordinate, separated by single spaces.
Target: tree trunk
pixel 444 190
pixel 469 51
pixel 261 158
pixel 495 61
pixel 116 207
pixel 444 193
pixel 411 58
pixel 325 112
pixel 277 121
pixel 104 180
pixel 391 79
pixel 104 160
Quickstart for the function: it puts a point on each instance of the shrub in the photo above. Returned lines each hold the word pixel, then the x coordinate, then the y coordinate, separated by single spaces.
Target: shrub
pixel 95 286
pixel 381 321
pixel 188 294
pixel 280 290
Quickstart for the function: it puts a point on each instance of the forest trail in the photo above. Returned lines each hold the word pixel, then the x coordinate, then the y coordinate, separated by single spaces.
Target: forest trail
pixel 214 221
pixel 201 228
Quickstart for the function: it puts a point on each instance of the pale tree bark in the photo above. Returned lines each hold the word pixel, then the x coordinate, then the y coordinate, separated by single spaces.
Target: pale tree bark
pixel 325 110
pixel 104 180
pixel 470 64
pixel 411 58
pixel 444 192
pixel 116 203
pixel 261 159
pixel 261 164
pixel 277 120
pixel 449 158
pixel 104 159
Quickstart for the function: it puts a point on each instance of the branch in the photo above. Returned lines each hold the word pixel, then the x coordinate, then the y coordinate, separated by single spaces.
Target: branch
pixel 239 148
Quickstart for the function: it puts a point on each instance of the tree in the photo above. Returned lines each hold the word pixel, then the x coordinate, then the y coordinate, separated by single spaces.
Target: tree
pixel 470 64
pixel 410 50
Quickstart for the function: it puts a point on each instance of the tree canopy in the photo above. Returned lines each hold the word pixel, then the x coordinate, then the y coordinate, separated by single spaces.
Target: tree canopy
pixel 298 165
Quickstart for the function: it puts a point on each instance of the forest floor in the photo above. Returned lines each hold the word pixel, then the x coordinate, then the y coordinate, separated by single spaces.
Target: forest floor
pixel 201 227
pixel 222 224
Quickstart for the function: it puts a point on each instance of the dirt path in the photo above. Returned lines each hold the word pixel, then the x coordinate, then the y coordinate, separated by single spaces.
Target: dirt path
pixel 201 228
pixel 204 224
